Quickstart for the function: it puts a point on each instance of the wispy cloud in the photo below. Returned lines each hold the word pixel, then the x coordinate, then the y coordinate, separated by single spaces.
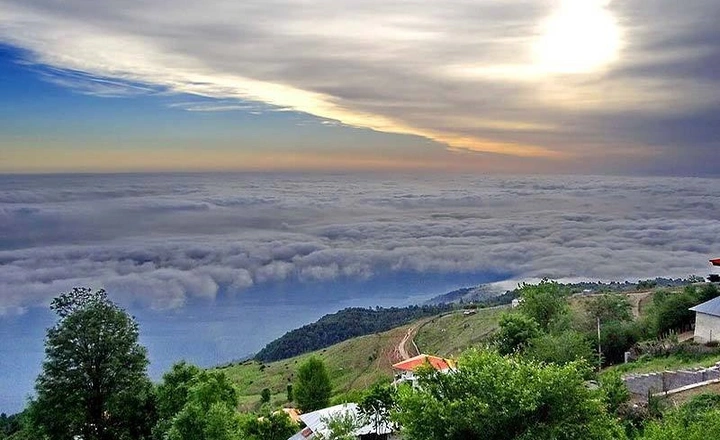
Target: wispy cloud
pixel 483 76
pixel 218 106
pixel 93 85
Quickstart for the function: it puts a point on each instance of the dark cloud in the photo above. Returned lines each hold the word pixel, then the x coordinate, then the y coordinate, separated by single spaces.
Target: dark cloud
pixel 436 69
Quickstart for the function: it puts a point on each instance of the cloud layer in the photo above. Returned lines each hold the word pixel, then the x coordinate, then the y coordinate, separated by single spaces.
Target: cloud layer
pixel 466 74
pixel 165 240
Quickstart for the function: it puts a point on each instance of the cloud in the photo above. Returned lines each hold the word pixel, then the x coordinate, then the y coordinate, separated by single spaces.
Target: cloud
pixel 93 85
pixel 165 241
pixel 465 74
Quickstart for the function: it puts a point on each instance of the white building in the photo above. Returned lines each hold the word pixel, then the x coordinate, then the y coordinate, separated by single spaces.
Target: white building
pixel 707 321
pixel 316 424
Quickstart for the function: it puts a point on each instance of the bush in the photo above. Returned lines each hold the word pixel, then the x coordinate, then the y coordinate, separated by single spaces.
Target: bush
pixel 493 397
pixel 560 349
pixel 516 330
pixel 616 338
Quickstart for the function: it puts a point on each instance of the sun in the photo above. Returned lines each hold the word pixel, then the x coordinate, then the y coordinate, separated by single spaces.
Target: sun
pixel 582 36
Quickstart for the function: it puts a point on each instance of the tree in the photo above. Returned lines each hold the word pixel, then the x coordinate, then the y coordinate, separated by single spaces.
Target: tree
pixel 568 346
pixel 265 395
pixel 312 387
pixel 492 397
pixel 608 308
pixel 209 412
pixel 94 382
pixel 376 406
pixel 546 303
pixel 616 338
pixel 290 395
pixel 275 426
pixel 516 330
pixel 615 392
pixel 341 426
pixel 172 395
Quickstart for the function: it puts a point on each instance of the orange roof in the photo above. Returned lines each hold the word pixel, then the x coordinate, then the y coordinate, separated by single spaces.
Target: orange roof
pixel 437 363
pixel 715 262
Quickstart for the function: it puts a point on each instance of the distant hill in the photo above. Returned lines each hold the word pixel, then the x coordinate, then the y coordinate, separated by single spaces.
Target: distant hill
pixel 487 295
pixel 343 325
pixel 353 322
pixel 484 293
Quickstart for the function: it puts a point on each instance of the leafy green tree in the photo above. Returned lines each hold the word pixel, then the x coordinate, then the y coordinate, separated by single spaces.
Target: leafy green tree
pixel 616 338
pixel 516 330
pixel 707 292
pixel 669 310
pixel 545 302
pixel 568 346
pixel 609 308
pixel 209 413
pixel 94 382
pixel 275 426
pixel 172 395
pixel 265 395
pixel 377 404
pixel 341 426
pixel 615 393
pixel 492 397
pixel 290 394
pixel 312 386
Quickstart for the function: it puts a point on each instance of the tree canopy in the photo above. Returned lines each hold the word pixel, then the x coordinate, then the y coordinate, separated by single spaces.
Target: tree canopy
pixel 94 382
pixel 492 397
pixel 545 302
pixel 312 386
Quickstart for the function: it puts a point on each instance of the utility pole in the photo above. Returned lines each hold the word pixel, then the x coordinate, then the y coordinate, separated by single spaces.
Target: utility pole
pixel 599 347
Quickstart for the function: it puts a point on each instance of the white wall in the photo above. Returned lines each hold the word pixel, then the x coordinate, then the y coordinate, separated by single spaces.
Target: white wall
pixel 707 327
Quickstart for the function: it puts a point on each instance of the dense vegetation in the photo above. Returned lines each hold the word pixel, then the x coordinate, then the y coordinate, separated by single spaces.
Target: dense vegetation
pixel 346 324
pixel 536 380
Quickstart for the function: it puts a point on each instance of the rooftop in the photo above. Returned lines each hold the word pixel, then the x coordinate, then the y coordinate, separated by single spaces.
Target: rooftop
pixel 437 363
pixel 711 307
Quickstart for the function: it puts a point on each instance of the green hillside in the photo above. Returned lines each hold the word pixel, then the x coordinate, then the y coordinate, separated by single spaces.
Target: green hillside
pixel 357 363
pixel 353 364
pixel 449 335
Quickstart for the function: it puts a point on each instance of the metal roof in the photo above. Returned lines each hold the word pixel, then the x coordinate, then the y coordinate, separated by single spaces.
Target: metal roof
pixel 711 307
pixel 315 422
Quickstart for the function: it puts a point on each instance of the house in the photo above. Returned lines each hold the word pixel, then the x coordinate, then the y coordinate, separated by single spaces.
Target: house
pixel 316 423
pixel 707 321
pixel 714 278
pixel 405 370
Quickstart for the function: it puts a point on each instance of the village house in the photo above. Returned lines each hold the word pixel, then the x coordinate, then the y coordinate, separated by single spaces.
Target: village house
pixel 707 321
pixel 405 370
pixel 316 424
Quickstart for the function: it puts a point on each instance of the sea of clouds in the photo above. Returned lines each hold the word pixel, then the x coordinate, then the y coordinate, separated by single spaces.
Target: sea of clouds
pixel 162 241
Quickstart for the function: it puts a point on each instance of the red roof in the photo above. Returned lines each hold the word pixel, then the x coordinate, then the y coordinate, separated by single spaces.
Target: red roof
pixel 437 363
pixel 715 262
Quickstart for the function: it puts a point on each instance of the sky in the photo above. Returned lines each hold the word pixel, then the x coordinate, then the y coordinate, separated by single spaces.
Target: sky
pixel 216 265
pixel 523 86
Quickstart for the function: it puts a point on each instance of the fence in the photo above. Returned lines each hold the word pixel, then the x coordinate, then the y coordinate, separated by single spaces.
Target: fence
pixel 643 385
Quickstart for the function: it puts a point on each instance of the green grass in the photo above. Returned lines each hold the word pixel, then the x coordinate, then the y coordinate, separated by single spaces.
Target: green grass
pixel 452 334
pixel 673 362
pixel 358 363
pixel 353 365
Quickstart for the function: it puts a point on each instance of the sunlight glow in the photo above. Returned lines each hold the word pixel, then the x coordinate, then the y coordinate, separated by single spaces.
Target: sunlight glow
pixel 582 36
